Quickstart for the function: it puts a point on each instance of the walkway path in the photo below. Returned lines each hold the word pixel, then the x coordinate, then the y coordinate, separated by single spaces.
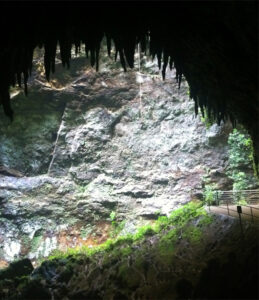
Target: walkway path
pixel 250 213
pixel 226 202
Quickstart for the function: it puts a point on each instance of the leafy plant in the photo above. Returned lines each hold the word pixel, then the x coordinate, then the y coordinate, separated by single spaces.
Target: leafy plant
pixel 211 194
pixel 241 160
pixel 35 243
pixel 84 232
pixel 144 231
pixel 206 120
pixel 113 216
pixel 82 189
pixel 117 227
pixel 240 149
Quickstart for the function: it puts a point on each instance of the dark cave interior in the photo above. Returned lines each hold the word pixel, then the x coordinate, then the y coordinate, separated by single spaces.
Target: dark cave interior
pixel 212 44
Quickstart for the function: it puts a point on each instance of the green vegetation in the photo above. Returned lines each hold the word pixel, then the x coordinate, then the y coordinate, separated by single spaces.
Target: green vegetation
pixel 241 160
pixel 166 231
pixel 240 152
pixel 206 120
pixel 209 189
pixel 130 259
pixel 47 187
pixel 26 241
pixel 193 234
pixel 81 189
pixel 209 193
pixel 117 226
pixel 205 220
pixel 85 231
pixel 167 228
pixel 113 216
pixel 35 243
pixel 146 230
pixel 240 169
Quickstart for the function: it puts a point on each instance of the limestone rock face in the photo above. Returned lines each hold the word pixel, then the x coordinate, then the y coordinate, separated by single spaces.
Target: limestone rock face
pixel 99 143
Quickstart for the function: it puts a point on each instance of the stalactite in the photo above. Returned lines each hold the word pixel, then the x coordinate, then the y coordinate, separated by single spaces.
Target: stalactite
pixel 49 57
pixel 159 58
pixel 171 62
pixel 5 101
pixel 202 46
pixel 122 60
pixel 108 39
pixel 65 51
pixel 165 62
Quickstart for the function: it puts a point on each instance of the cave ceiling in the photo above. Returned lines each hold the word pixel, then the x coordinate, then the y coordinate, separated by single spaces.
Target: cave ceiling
pixel 212 44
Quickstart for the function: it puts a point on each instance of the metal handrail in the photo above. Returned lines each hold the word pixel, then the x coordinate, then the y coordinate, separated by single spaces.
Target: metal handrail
pixel 243 213
pixel 236 191
pixel 230 195
pixel 244 206
pixel 229 198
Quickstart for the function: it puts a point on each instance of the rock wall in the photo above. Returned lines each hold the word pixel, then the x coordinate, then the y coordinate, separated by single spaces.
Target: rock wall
pixel 101 143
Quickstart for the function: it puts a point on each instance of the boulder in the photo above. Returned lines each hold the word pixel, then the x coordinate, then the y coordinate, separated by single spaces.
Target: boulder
pixel 18 268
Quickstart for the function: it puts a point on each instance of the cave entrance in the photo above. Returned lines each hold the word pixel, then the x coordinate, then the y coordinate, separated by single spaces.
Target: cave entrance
pixel 100 153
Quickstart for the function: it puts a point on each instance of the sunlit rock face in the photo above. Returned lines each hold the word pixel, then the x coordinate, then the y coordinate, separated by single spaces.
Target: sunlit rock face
pixel 99 143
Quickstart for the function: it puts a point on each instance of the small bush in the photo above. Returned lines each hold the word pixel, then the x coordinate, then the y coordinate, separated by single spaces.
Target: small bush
pixel 144 231
pixel 209 193
pixel 240 168
pixel 206 120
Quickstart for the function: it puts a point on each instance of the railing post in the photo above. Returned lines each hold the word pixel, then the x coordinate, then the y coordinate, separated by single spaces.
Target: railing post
pixel 251 209
pixel 217 198
pixel 239 210
pixel 228 207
